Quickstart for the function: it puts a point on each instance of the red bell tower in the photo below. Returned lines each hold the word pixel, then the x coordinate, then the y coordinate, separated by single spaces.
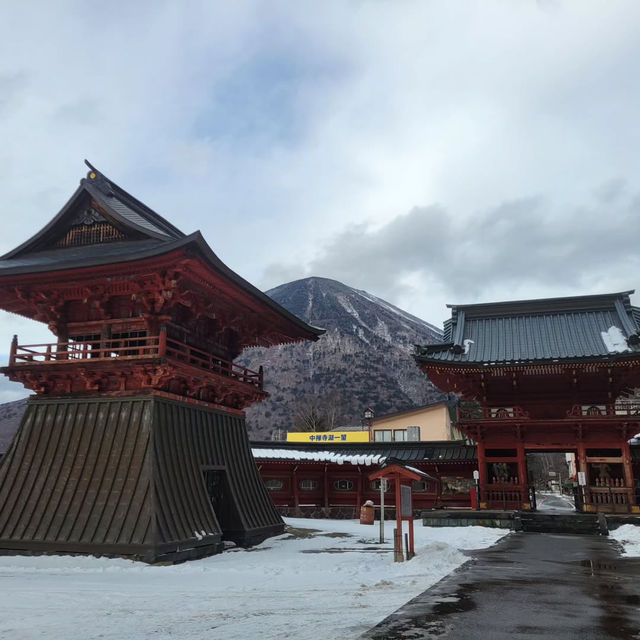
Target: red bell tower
pixel 135 441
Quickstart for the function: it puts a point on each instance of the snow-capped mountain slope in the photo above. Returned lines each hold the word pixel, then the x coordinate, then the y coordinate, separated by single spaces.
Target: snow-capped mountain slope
pixel 324 303
pixel 364 359
pixel 10 416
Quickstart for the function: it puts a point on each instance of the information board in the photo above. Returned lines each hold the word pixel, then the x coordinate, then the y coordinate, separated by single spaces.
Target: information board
pixel 406 508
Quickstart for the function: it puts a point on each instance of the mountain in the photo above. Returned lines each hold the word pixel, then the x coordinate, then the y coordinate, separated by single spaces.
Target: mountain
pixel 10 416
pixel 363 360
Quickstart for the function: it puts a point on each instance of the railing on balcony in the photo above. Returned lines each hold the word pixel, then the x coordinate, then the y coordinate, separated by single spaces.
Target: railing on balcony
pixel 202 359
pixel 492 413
pixel 130 348
pixel 604 410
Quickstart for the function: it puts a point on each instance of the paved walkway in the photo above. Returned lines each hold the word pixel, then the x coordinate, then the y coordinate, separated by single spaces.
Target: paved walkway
pixel 554 502
pixel 529 586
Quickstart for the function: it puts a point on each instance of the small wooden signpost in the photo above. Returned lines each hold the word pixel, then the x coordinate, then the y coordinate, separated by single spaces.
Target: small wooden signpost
pixel 402 477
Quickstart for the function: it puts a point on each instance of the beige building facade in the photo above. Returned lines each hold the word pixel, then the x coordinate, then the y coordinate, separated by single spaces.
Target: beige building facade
pixel 431 423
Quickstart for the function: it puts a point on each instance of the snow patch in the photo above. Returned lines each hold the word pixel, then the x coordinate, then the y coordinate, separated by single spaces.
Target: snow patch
pixel 467 345
pixel 614 340
pixel 348 307
pixel 310 586
pixel 399 312
pixel 628 535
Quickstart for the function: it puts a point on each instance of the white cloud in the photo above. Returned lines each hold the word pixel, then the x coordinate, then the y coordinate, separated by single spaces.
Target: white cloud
pixel 277 128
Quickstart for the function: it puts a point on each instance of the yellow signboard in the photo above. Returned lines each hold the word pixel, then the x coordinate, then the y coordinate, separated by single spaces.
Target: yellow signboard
pixel 328 437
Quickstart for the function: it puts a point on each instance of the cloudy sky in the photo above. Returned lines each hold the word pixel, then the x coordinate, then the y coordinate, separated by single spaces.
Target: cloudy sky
pixel 429 152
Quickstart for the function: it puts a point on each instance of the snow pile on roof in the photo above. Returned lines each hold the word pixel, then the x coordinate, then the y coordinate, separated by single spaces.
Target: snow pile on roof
pixel 614 340
pixel 318 456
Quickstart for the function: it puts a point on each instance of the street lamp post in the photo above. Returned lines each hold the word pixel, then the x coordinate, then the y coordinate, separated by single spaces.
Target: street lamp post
pixel 368 420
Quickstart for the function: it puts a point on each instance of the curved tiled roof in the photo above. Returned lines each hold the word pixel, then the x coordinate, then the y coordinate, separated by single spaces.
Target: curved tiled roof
pixel 585 327
pixel 365 453
pixel 143 234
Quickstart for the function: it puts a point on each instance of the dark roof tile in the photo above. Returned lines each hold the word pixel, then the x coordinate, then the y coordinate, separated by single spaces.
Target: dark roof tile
pixel 539 330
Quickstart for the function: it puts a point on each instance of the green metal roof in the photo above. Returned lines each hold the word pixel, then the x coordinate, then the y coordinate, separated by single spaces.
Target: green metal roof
pixel 554 329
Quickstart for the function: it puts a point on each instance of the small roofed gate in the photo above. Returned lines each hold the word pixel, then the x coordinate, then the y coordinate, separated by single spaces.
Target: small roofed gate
pixel 545 375
pixel 135 442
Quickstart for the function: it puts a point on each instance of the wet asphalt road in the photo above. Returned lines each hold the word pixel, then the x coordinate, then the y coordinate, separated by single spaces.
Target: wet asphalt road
pixel 528 586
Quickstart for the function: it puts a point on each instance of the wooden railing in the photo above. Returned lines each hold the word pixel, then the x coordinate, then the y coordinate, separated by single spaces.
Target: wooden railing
pixel 600 410
pixel 203 360
pixel 138 347
pixel 610 498
pixel 130 348
pixel 504 495
pixel 492 413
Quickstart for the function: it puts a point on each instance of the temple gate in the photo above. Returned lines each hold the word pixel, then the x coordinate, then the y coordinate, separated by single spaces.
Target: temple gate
pixel 546 375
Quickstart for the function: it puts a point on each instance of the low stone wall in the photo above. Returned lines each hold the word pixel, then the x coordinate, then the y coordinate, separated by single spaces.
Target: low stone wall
pixel 496 519
pixel 617 520
pixel 341 512
pixel 335 513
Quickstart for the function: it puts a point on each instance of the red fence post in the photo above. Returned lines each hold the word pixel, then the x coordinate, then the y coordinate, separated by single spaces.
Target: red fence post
pixel 398 555
pixel 162 342
pixel 13 350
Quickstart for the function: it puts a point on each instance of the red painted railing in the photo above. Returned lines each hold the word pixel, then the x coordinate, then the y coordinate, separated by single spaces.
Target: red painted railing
pixel 601 410
pixel 202 359
pixel 492 413
pixel 130 348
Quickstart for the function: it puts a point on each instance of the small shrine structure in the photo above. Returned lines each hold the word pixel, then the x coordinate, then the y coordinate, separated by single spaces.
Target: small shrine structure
pixel 543 376
pixel 135 442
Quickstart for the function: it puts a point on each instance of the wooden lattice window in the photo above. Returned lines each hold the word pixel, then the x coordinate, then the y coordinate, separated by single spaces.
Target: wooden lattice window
pixel 96 234
pixel 343 485
pixel 308 485
pixel 274 484
pixel 89 227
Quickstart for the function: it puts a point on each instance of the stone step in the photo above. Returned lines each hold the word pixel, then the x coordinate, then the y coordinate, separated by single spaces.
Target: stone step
pixel 555 523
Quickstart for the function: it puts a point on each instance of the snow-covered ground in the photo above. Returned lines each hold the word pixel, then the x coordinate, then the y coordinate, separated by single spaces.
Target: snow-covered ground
pixel 628 535
pixel 333 582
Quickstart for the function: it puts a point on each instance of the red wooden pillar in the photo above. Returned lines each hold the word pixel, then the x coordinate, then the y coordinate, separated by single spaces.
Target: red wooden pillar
pixel 398 555
pixel 522 476
pixel 628 475
pixel 412 551
pixel 325 488
pixel 13 351
pixel 294 486
pixel 63 342
pixel 162 341
pixel 482 470
pixel 581 464
pixel 359 491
